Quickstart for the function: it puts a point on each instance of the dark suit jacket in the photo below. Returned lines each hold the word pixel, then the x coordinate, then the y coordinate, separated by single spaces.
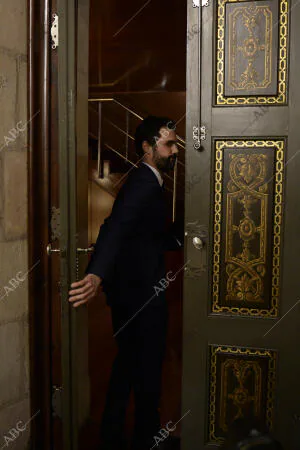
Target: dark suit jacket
pixel 129 252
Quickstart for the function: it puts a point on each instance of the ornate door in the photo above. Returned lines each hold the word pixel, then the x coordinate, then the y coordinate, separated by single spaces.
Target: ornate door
pixel 242 284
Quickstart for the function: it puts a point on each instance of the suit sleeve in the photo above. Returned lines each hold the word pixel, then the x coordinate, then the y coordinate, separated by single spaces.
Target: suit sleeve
pixel 125 215
pixel 174 237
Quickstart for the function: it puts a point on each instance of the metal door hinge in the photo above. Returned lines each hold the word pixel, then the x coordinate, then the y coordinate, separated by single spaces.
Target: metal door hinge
pixel 202 132
pixel 196 3
pixel 54 31
pixel 57 401
pixel 199 134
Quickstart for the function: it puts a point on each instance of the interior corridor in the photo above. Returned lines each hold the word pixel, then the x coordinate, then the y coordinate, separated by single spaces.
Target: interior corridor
pixel 132 76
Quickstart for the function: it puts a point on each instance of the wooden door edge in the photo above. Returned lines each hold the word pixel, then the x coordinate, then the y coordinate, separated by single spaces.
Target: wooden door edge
pixel 38 47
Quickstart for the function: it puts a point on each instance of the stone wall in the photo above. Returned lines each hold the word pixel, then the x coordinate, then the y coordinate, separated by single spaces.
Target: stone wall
pixel 14 343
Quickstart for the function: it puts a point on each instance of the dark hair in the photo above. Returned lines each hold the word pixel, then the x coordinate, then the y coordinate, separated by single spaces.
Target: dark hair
pixel 148 131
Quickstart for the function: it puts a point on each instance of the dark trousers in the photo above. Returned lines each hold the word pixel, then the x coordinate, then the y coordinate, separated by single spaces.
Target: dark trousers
pixel 141 339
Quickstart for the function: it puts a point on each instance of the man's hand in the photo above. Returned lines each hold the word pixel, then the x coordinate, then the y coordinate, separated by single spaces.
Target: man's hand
pixel 85 289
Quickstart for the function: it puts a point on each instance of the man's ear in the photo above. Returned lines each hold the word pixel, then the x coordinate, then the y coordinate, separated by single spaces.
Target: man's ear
pixel 146 147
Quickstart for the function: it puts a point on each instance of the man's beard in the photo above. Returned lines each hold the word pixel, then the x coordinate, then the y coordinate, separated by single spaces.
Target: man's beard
pixel 165 163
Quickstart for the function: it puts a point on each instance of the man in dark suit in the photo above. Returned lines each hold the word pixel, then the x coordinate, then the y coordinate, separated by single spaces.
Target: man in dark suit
pixel 128 264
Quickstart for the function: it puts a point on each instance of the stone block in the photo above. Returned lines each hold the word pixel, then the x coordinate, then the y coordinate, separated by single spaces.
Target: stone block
pixel 11 357
pixel 13 29
pixel 8 99
pixel 25 341
pixel 13 291
pixel 14 185
pixel 1 193
pixel 21 116
pixel 16 416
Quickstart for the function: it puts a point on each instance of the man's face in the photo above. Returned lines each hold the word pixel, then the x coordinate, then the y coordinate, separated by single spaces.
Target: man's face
pixel 165 151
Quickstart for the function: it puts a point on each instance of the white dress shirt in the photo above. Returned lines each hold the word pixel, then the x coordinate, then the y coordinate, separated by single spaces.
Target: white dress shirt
pixel 158 175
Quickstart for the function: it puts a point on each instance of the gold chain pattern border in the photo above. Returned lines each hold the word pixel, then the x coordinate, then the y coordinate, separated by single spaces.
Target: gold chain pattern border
pixel 281 98
pixel 217 349
pixel 278 213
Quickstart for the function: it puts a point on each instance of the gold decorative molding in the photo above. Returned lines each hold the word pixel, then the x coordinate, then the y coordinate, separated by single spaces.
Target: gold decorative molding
pixel 250 48
pixel 241 379
pixel 247 186
pixel 243 267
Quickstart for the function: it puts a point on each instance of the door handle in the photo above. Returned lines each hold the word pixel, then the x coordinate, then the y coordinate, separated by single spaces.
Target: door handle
pixel 85 251
pixel 51 250
pixel 199 240
pixel 80 251
pixel 198 243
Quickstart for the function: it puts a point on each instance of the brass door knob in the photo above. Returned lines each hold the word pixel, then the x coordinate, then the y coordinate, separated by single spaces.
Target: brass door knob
pixel 198 243
pixel 51 250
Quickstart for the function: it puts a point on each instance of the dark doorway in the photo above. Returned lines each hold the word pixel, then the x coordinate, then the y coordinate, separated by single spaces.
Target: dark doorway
pixel 137 67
